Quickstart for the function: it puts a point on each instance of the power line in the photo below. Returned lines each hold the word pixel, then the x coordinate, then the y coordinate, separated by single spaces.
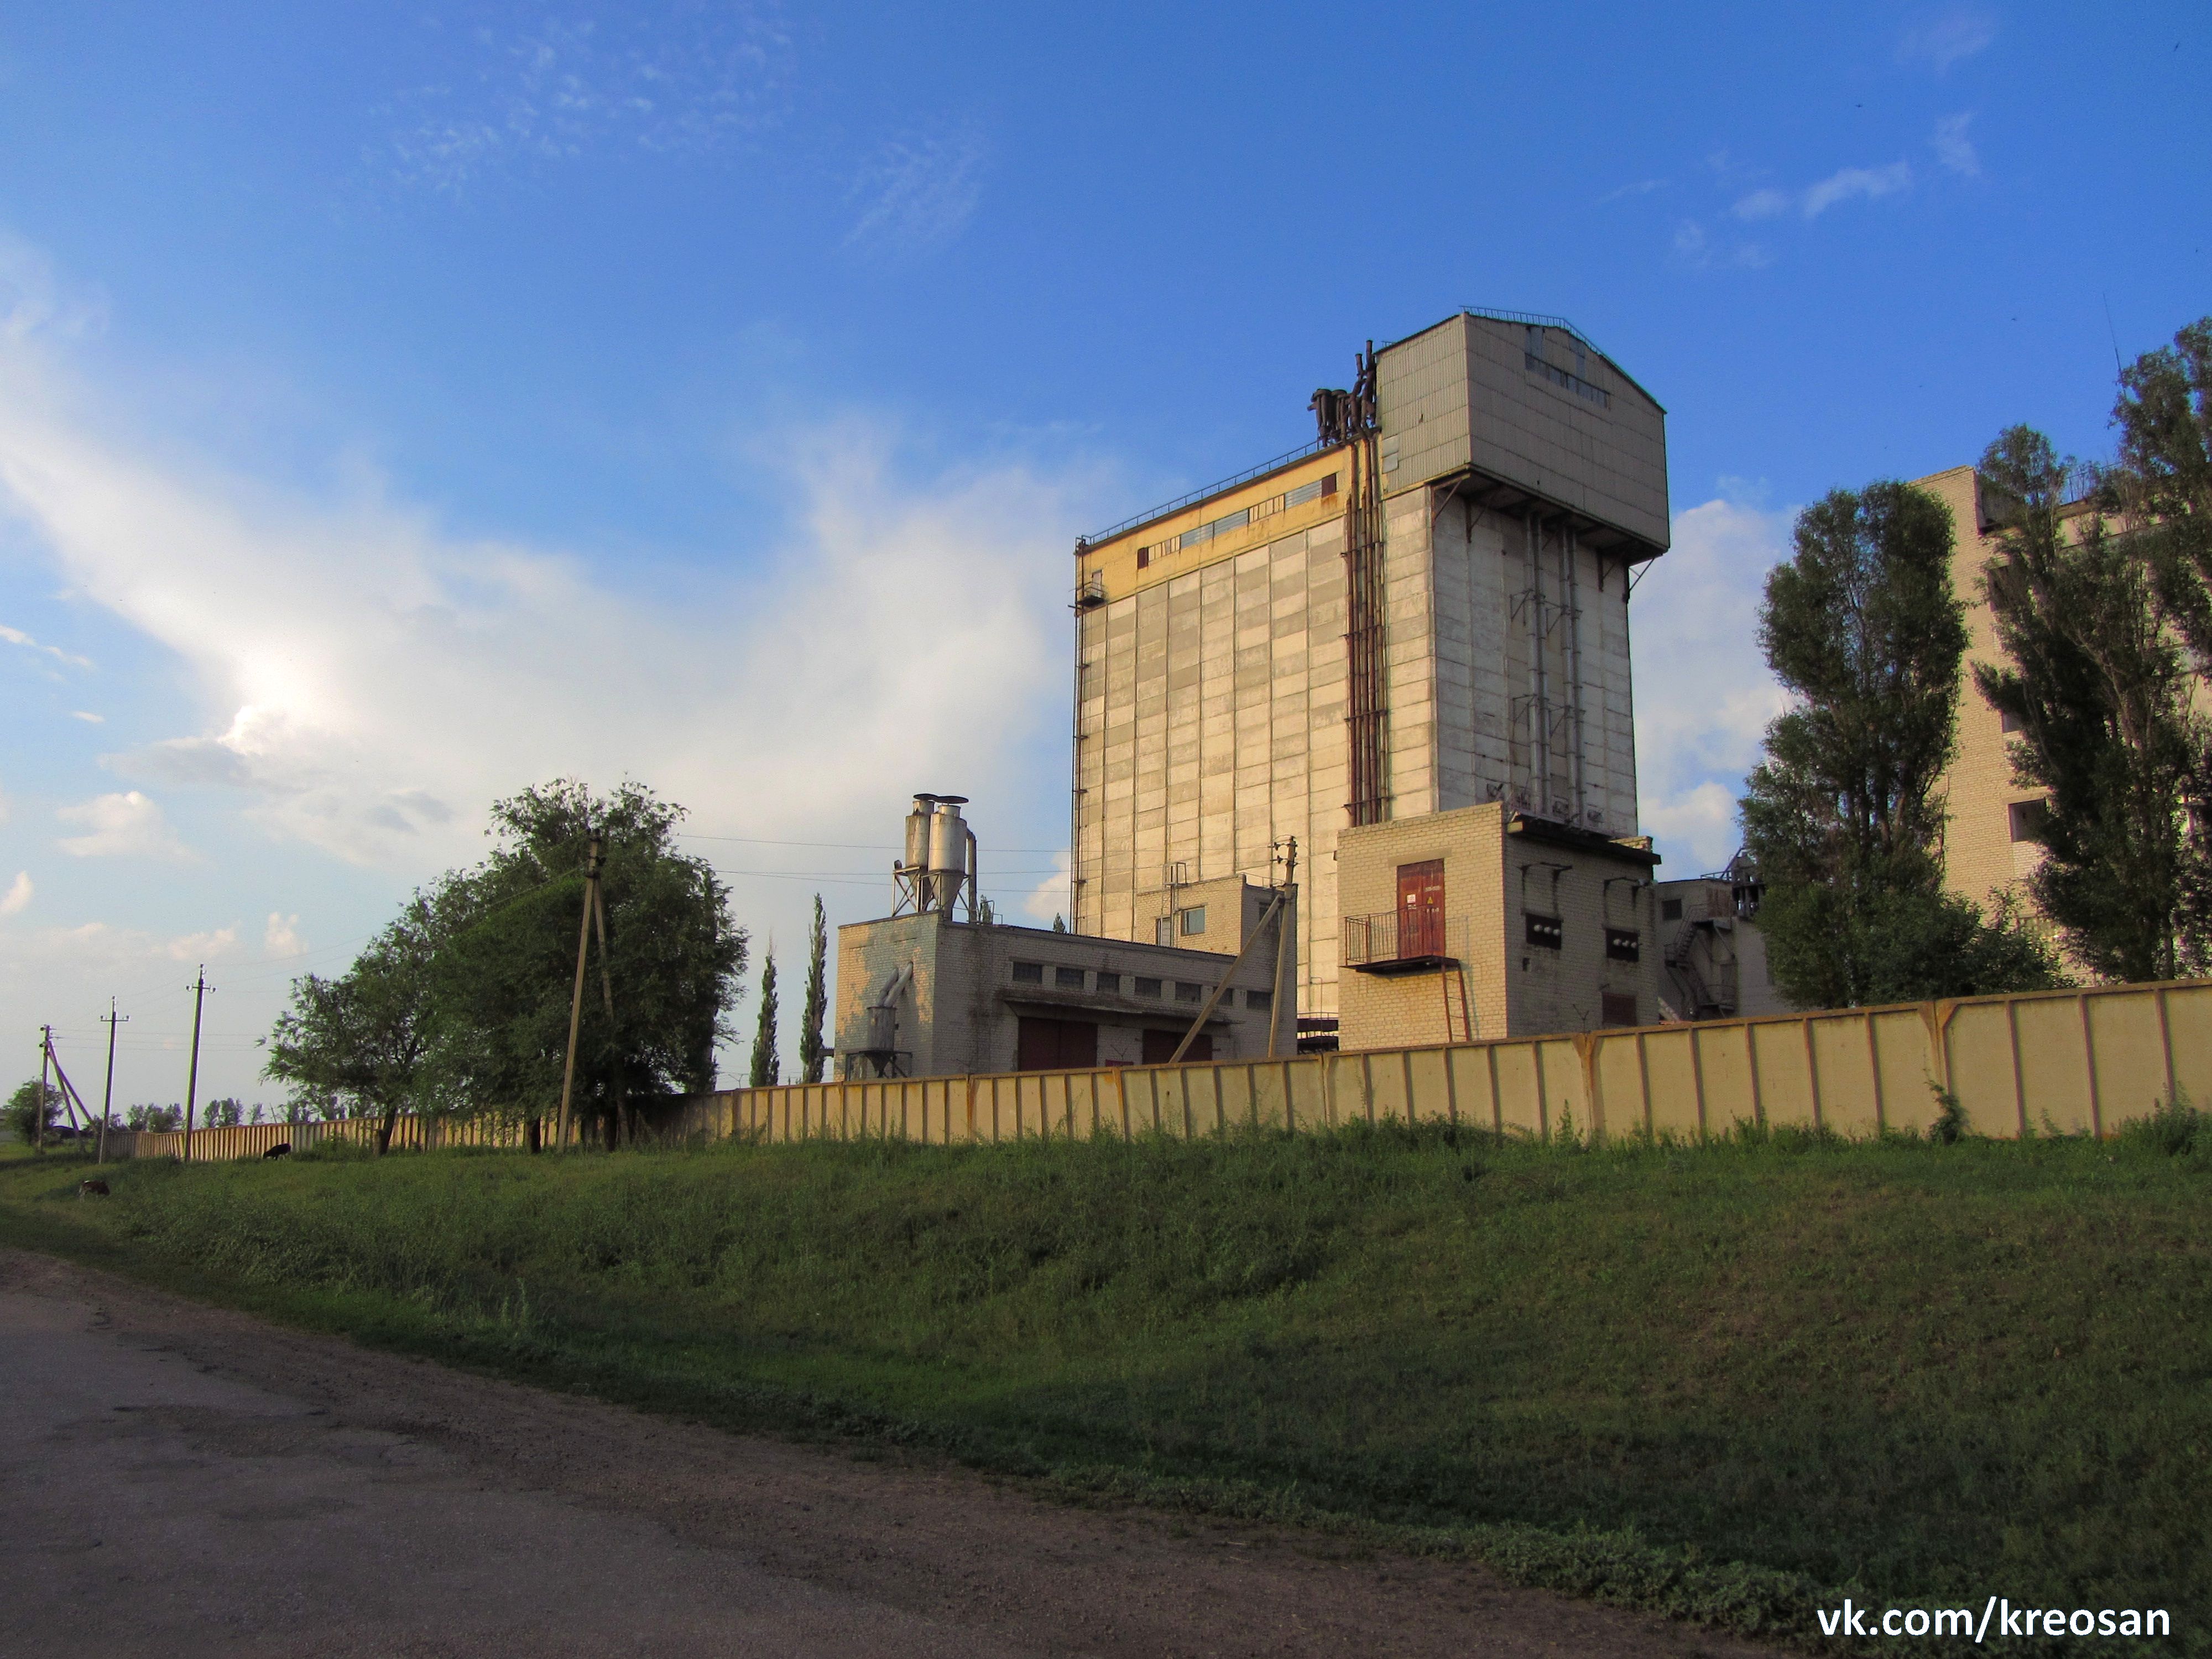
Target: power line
pixel 841 846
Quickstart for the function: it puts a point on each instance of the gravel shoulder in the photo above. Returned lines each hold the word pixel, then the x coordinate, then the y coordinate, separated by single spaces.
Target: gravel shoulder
pixel 181 1480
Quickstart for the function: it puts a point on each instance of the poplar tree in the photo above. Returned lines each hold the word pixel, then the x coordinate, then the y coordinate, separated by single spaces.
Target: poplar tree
pixel 2093 602
pixel 767 1065
pixel 812 1051
pixel 2163 483
pixel 1842 815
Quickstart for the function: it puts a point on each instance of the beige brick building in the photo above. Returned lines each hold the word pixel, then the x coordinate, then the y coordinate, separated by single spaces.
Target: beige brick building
pixel 1486 922
pixel 1425 611
pixel 929 995
pixel 1986 846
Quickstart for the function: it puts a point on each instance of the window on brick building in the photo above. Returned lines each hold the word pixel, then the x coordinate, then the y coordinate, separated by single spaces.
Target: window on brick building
pixel 1028 973
pixel 1545 931
pixel 1623 944
pixel 1109 985
pixel 1068 979
pixel 1186 992
pixel 2026 818
pixel 1147 987
pixel 1193 919
pixel 1670 909
pixel 1617 1008
pixel 1260 1001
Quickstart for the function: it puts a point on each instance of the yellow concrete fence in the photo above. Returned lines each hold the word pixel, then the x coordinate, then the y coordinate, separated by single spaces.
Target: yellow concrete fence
pixel 410 1134
pixel 2071 1062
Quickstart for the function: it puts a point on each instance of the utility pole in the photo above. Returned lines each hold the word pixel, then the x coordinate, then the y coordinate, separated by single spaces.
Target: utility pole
pixel 108 1097
pixel 45 1058
pixel 80 1115
pixel 199 988
pixel 1285 945
pixel 576 998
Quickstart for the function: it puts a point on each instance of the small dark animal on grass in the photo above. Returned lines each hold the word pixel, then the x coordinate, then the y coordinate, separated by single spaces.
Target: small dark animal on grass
pixel 92 1188
pixel 282 1149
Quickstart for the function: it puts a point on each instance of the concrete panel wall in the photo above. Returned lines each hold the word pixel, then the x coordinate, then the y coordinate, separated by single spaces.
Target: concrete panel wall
pixel 2090 1060
pixel 1211 726
pixel 1463 393
pixel 2086 1062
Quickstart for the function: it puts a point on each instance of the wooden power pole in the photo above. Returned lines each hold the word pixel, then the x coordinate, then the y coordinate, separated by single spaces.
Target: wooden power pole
pixel 576 998
pixel 46 1059
pixel 107 1096
pixel 199 988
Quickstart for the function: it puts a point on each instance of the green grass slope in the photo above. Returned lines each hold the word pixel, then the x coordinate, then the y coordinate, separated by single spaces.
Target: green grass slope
pixel 1929 1373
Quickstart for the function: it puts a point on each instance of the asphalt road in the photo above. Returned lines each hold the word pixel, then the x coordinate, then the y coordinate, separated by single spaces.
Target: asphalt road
pixel 182 1480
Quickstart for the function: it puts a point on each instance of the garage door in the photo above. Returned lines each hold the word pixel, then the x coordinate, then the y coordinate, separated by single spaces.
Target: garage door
pixel 1056 1045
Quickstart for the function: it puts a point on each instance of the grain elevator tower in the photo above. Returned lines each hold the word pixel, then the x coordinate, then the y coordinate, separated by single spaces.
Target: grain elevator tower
pixel 1424 608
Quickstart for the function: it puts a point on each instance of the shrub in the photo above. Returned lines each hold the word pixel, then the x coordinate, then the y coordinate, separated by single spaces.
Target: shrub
pixel 2174 1128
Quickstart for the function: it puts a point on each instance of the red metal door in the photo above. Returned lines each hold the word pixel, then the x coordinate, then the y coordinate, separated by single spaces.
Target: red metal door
pixel 1421 909
pixel 1056 1045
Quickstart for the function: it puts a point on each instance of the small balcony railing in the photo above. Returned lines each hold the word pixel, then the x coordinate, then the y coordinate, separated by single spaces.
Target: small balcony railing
pixel 1392 942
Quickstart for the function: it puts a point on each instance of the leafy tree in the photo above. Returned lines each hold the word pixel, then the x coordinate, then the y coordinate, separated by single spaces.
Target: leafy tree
pixel 767 1065
pixel 812 1050
pixel 505 963
pixel 154 1119
pixel 225 1113
pixel 463 1003
pixel 1842 815
pixel 2162 485
pixel 30 1112
pixel 361 1043
pixel 2097 685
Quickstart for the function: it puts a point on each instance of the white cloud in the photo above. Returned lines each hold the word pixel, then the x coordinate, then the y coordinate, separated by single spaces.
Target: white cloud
pixel 88 717
pixel 366 684
pixel 1698 252
pixel 675 78
pixel 919 192
pixel 1704 695
pixel 280 937
pixel 17 899
pixel 16 636
pixel 1849 183
pixel 1769 203
pixel 127 825
pixel 1954 149
pixel 1842 186
pixel 1050 897
pixel 1943 40
pixel 106 951
pixel 33 302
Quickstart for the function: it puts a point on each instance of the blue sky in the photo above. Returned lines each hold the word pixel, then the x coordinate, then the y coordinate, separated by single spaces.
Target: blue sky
pixel 398 406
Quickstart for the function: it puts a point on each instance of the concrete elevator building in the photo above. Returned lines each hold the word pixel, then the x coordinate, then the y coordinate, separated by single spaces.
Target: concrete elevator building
pixel 1423 610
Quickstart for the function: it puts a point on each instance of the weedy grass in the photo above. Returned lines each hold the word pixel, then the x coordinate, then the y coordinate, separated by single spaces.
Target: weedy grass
pixel 1712 1380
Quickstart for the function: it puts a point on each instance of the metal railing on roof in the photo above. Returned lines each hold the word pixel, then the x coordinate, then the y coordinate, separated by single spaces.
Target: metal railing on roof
pixel 1302 453
pixel 1536 320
